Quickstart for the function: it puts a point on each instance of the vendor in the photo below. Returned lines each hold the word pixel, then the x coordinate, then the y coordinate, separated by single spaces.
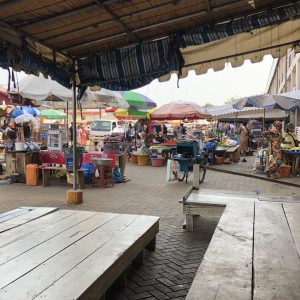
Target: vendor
pixel 27 132
pixel 274 137
pixel 243 137
pixel 289 138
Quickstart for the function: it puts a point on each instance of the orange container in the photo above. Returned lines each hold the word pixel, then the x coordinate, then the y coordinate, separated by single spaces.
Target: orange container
pixel 219 160
pixel 284 171
pixel 32 174
pixel 134 159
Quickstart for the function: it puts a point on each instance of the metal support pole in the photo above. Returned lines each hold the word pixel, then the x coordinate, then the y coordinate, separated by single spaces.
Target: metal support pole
pixel 74 128
pixel 67 120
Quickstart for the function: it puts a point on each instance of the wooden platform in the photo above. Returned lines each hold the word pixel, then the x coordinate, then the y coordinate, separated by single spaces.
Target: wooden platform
pixel 208 204
pixel 46 253
pixel 254 252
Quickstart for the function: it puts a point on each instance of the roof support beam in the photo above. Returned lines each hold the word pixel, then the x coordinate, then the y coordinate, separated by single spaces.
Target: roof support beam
pixel 10 3
pixel 116 18
pixel 23 34
pixel 92 43
pixel 124 17
pixel 55 17
pixel 152 26
pixel 209 11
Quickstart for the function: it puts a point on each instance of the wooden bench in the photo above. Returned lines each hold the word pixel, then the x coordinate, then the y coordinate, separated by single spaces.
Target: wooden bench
pixel 67 254
pixel 46 173
pixel 254 253
pixel 208 203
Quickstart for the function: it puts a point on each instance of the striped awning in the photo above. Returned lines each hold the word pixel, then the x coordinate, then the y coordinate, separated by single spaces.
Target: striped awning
pixel 197 48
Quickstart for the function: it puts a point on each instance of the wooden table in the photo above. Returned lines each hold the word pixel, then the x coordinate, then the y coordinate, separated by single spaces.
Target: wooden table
pixel 16 162
pixel 234 153
pixel 254 252
pixel 46 172
pixel 46 253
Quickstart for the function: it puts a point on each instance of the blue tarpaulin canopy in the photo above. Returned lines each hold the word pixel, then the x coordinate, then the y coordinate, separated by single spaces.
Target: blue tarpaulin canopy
pixel 268 101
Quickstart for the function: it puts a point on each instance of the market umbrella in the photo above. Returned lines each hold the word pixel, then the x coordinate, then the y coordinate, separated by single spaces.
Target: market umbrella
pixel 268 101
pixel 48 92
pixel 132 113
pixel 16 112
pixel 53 114
pixel 137 100
pixel 31 111
pixel 26 118
pixel 180 111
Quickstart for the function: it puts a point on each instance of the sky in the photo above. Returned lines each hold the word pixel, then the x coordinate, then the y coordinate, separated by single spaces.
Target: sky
pixel 213 87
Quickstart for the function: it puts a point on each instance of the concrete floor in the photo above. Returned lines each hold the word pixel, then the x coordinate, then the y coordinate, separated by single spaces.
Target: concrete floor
pixel 167 273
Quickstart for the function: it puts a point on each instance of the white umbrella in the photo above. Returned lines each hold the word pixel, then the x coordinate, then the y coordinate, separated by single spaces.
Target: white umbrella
pixel 48 91
pixel 26 118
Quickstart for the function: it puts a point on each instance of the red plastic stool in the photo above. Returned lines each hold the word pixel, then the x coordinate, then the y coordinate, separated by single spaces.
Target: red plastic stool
pixel 105 177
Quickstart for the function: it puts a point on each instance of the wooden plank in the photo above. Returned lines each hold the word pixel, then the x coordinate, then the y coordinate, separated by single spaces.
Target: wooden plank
pixel 292 212
pixel 10 236
pixel 28 217
pixel 35 282
pixel 106 264
pixel 203 210
pixel 196 176
pixel 12 214
pixel 217 197
pixel 18 266
pixel 43 235
pixel 276 261
pixel 189 222
pixel 276 198
pixel 226 270
pixel 233 149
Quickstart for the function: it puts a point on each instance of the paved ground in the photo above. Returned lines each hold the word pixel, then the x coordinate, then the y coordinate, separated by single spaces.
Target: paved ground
pixel 168 272
pixel 247 169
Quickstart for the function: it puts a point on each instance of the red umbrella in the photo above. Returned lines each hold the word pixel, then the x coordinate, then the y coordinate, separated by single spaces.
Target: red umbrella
pixel 180 111
pixel 110 109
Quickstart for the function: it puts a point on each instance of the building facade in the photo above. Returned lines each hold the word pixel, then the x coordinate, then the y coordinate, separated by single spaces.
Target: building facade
pixel 285 77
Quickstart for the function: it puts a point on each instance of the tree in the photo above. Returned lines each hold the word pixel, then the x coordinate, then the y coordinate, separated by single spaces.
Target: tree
pixel 231 100
pixel 207 105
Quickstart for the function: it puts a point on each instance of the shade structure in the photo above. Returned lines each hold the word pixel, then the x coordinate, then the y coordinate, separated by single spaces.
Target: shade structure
pixel 227 112
pixel 50 93
pixel 180 111
pixel 53 114
pixel 139 40
pixel 268 101
pixel 137 100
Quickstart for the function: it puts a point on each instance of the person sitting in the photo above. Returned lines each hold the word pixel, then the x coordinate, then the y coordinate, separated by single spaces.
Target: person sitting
pixel 274 137
pixel 289 138
pixel 27 132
